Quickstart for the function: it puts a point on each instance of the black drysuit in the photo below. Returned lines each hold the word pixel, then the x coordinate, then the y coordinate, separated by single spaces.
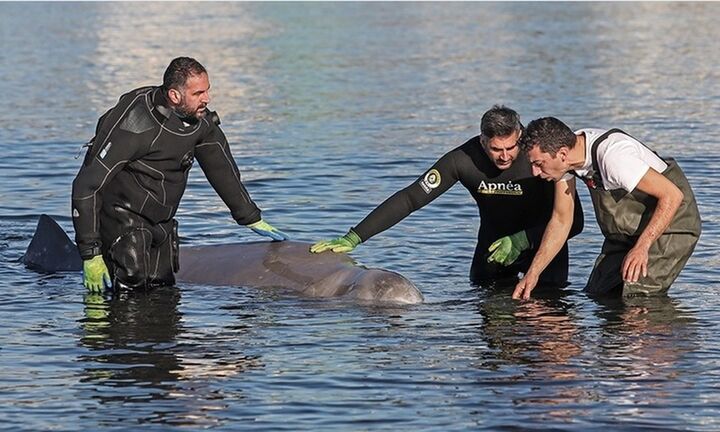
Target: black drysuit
pixel 508 201
pixel 128 189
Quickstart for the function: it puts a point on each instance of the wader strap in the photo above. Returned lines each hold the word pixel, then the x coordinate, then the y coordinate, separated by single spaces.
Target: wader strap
pixel 596 180
pixel 593 154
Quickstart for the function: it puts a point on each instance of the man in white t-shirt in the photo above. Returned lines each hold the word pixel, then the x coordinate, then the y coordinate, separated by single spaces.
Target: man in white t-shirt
pixel 643 204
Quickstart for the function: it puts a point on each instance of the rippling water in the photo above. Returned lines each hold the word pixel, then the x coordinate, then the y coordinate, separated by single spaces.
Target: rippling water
pixel 330 108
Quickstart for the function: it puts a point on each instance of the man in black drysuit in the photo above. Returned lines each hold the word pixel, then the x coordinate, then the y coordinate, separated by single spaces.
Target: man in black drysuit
pixel 514 207
pixel 135 171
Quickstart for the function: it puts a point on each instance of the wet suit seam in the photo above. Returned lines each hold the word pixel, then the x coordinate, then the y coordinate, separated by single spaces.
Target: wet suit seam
pixel 157 260
pixel 162 181
pixel 163 230
pixel 96 215
pixel 178 134
pixel 103 182
pixel 157 265
pixel 142 225
pixel 147 192
pixel 170 254
pixel 147 195
pixel 156 138
pixel 150 273
pixel 103 164
pixel 93 195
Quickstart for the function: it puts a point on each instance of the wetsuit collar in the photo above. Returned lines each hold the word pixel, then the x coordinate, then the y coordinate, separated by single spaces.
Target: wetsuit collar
pixel 161 103
pixel 162 106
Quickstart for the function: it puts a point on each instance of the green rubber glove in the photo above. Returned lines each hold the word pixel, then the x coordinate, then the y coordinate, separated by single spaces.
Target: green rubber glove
pixel 265 229
pixel 345 243
pixel 507 249
pixel 96 276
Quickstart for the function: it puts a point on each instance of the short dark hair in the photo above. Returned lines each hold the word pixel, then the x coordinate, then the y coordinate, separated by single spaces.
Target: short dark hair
pixel 549 134
pixel 500 121
pixel 179 70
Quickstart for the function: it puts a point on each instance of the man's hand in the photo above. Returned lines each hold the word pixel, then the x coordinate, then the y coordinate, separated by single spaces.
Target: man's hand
pixel 525 287
pixel 345 243
pixel 669 198
pixel 96 276
pixel 506 250
pixel 635 264
pixel 265 229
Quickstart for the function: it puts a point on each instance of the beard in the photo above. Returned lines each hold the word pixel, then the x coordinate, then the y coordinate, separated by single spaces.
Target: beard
pixel 188 112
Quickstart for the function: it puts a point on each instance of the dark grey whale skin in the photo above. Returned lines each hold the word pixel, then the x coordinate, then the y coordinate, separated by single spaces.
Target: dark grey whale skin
pixel 290 265
pixel 286 265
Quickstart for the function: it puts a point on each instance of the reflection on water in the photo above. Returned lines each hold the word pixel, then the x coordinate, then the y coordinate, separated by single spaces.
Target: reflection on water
pixel 330 108
pixel 634 351
pixel 649 335
pixel 538 332
pixel 137 355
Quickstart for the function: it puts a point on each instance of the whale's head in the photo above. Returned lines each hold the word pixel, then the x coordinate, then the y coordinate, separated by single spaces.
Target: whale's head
pixel 383 286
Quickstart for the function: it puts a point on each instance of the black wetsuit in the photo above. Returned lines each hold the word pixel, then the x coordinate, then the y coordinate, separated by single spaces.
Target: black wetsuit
pixel 128 189
pixel 508 200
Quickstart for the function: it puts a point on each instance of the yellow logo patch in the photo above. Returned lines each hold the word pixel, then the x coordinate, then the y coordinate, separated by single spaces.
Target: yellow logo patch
pixel 431 180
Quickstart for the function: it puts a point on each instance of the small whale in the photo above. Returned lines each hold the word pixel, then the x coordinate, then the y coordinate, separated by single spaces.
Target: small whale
pixel 287 265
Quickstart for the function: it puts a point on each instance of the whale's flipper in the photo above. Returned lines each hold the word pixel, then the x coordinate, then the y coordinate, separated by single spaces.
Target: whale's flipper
pixel 50 249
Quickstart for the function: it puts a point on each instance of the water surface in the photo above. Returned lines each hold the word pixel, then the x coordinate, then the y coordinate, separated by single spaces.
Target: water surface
pixel 330 108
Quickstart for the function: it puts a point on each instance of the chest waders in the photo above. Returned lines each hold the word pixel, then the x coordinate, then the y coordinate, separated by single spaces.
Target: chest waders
pixel 623 216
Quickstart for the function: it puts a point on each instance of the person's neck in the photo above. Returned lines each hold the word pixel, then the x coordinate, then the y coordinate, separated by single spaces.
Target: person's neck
pixel 577 153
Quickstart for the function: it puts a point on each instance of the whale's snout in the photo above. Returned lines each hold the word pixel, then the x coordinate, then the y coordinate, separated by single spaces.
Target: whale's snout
pixel 382 286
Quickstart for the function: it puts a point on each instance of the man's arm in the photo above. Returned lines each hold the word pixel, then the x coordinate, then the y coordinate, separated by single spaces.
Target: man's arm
pixel 428 187
pixel 112 148
pixel 535 233
pixel 222 172
pixel 669 197
pixel 436 181
pixel 555 236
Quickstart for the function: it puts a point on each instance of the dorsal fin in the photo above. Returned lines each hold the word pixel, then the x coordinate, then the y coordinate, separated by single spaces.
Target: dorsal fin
pixel 50 249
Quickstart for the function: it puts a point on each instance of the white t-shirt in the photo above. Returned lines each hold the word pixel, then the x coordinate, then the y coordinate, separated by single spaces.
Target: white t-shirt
pixel 622 160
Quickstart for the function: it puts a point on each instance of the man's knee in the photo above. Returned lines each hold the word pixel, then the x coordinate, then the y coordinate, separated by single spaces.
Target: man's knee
pixel 645 287
pixel 129 255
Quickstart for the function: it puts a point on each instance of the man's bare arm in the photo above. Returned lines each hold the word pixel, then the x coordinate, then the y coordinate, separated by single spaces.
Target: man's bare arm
pixel 555 236
pixel 669 197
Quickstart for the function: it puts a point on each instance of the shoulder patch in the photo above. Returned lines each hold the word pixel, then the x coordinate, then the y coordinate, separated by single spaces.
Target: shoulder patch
pixel 137 121
pixel 431 180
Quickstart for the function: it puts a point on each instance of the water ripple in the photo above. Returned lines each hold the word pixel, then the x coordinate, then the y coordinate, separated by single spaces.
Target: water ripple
pixel 331 108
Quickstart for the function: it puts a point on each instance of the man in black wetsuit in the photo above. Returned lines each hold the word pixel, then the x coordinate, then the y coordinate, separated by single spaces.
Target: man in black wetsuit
pixel 135 171
pixel 514 207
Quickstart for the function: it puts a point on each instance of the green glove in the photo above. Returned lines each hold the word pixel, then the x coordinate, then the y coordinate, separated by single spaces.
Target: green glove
pixel 507 249
pixel 345 243
pixel 96 276
pixel 265 229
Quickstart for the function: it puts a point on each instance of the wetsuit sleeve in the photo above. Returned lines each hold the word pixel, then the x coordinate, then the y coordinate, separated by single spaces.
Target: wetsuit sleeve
pixel 112 148
pixel 436 181
pixel 222 172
